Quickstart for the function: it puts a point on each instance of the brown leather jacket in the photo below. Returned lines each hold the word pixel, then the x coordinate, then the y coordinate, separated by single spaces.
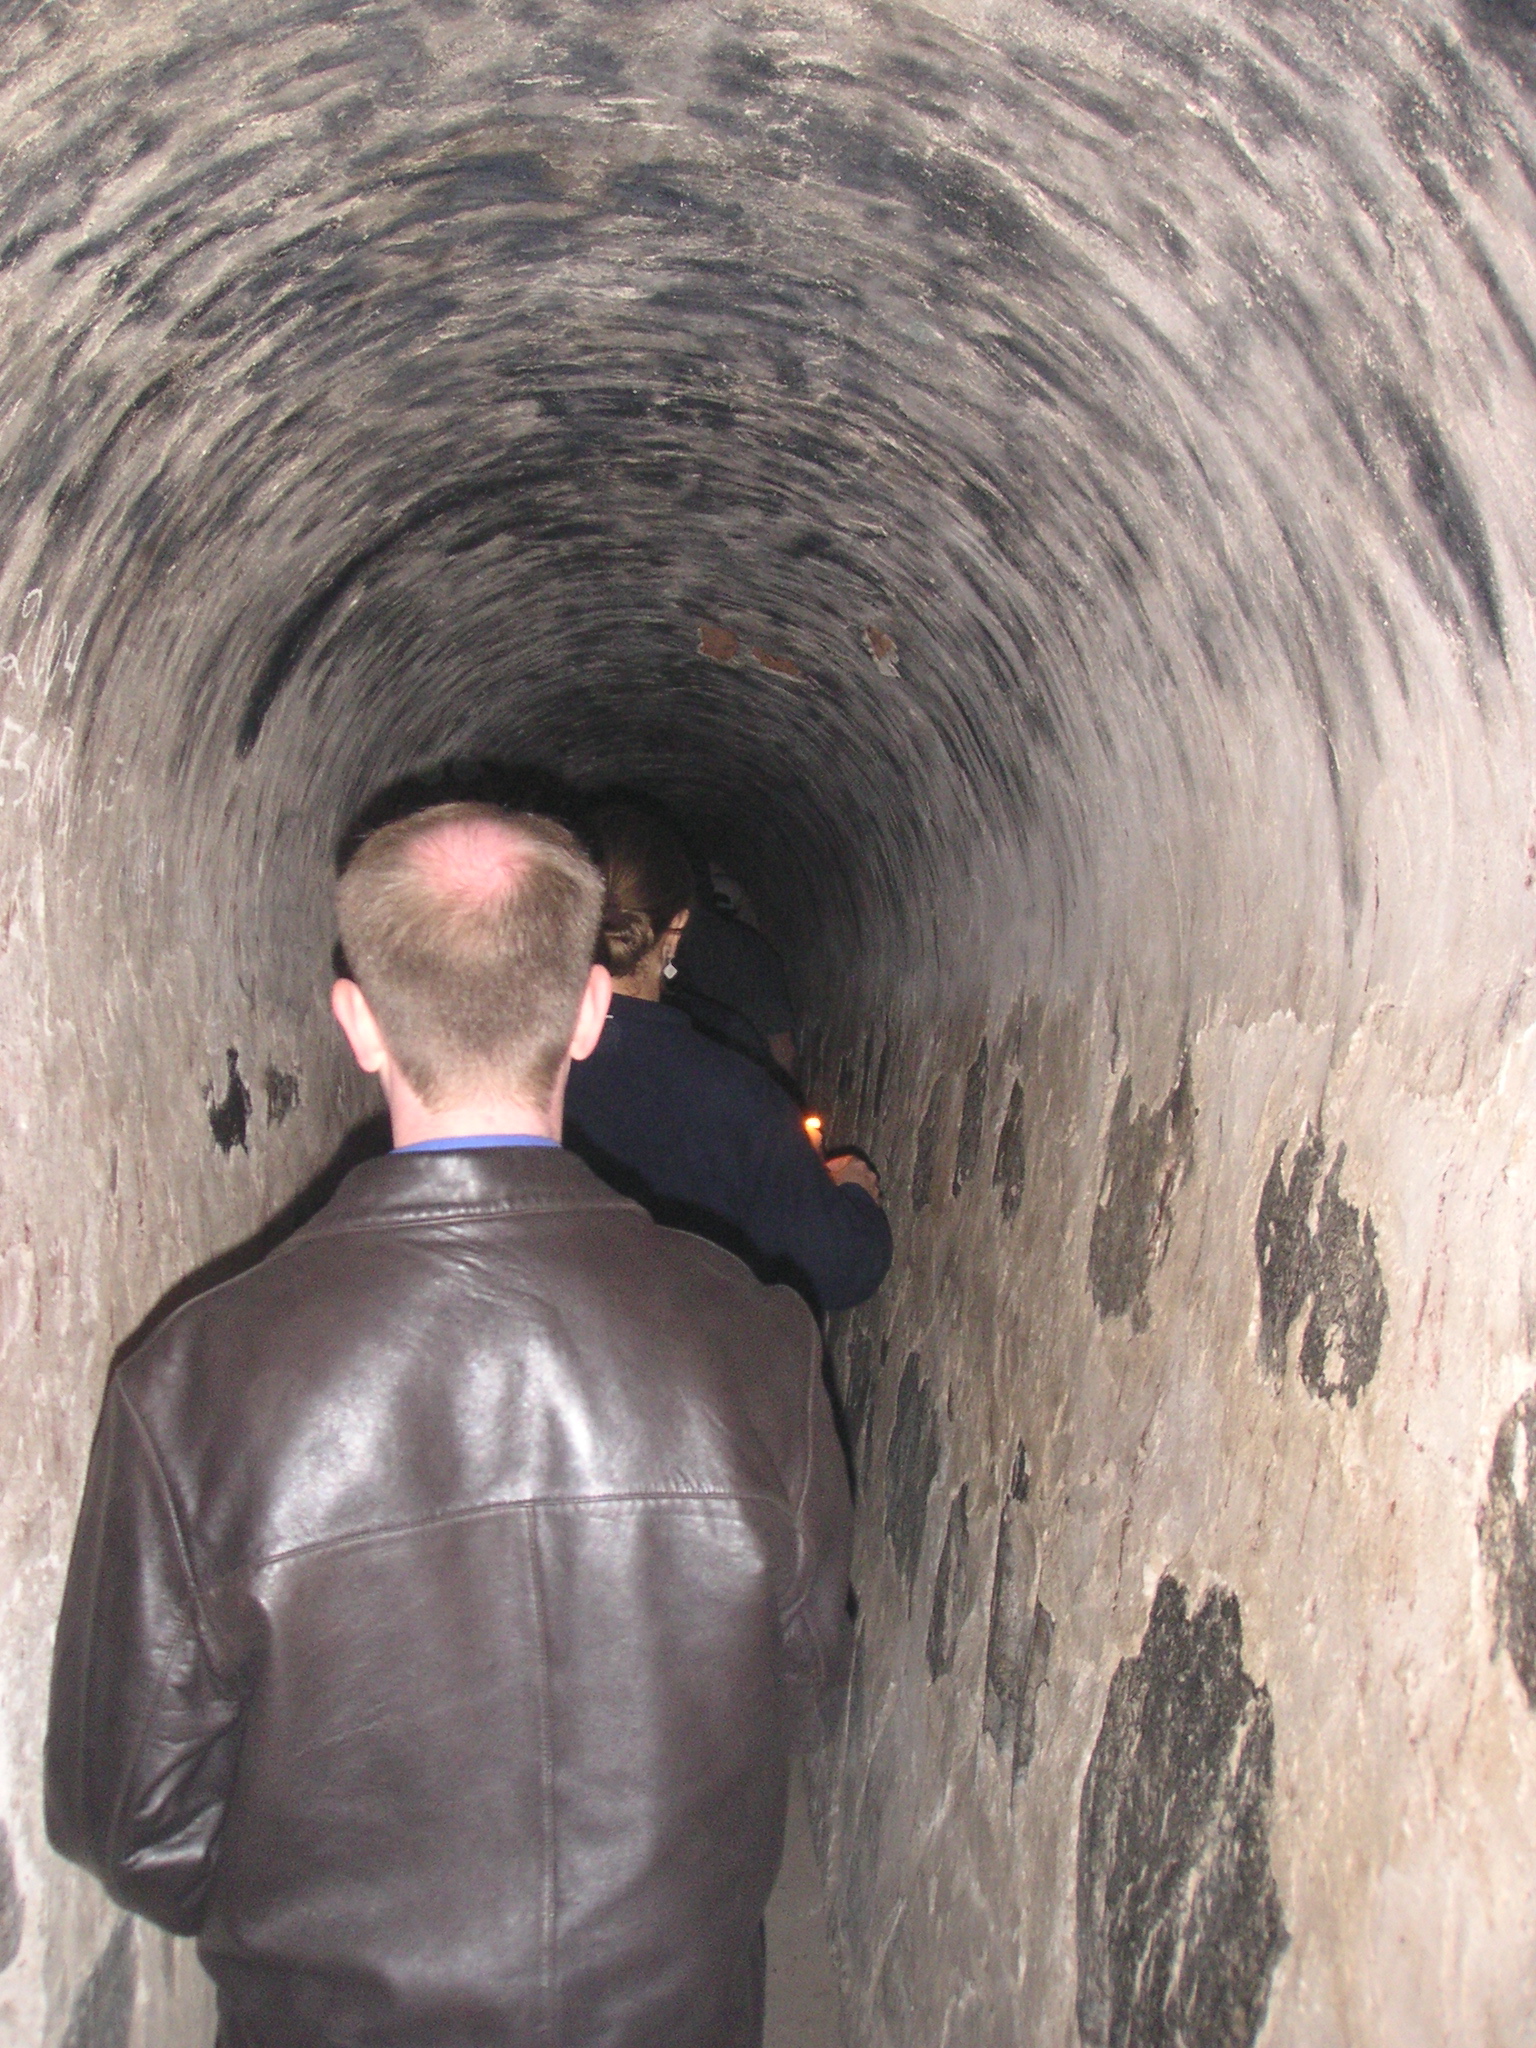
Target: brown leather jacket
pixel 447 1596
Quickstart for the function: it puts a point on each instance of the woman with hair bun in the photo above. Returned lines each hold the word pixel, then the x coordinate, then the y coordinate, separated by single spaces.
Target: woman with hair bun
pixel 697 1132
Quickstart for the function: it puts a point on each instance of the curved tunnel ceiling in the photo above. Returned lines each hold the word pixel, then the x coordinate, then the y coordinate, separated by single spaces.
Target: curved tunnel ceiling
pixel 904 445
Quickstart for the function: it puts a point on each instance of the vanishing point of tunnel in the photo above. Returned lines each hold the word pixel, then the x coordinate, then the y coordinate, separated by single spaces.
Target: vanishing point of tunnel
pixel 1044 491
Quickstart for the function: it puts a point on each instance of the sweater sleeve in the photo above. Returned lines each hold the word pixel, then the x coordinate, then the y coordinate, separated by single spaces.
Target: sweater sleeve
pixel 836 1239
pixel 142 1732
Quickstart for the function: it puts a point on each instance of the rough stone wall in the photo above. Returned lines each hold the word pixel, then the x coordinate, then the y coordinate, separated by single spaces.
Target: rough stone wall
pixel 165 1090
pixel 1044 489
pixel 1199 1643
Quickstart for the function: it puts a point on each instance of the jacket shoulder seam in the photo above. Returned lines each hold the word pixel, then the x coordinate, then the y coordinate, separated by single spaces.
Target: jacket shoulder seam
pixel 462 1212
pixel 529 1504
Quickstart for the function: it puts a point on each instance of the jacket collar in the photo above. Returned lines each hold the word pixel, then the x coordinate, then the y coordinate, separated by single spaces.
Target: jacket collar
pixel 502 1180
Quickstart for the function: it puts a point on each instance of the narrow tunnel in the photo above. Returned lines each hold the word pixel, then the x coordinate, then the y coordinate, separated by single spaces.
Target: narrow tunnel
pixel 1042 490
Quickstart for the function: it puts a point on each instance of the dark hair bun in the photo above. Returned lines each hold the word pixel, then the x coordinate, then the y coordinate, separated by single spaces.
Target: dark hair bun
pixel 624 938
pixel 649 881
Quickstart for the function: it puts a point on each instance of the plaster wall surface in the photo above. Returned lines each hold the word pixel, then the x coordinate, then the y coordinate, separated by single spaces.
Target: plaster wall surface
pixel 1045 491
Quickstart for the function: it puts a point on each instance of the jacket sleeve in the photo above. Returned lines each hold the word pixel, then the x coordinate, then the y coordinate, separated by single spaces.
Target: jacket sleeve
pixel 142 1733
pixel 818 1634
pixel 836 1238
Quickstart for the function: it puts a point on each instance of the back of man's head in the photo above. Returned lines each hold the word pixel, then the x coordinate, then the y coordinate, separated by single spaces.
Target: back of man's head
pixel 470 932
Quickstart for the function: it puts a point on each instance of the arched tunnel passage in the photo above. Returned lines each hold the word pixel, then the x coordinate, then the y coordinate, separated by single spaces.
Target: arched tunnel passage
pixel 1044 492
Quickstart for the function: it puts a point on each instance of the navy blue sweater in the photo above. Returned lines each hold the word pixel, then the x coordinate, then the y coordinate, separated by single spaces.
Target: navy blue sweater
pixel 709 1143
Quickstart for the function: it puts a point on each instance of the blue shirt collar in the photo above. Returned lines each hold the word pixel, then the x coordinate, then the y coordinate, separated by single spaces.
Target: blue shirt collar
pixel 478 1143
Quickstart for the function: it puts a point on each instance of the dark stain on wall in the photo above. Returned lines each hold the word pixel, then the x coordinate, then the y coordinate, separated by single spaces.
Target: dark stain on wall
pixel 951 1595
pixel 1179 1924
pixel 1018 1478
pixel 1008 1167
pixel 1019 1635
pixel 972 1109
pixel 228 1119
pixel 13 1907
pixel 858 1398
pixel 911 1466
pixel 1147 1157
pixel 882 1077
pixel 1444 494
pixel 858 1689
pixel 857 1911
pixel 102 2014
pixel 864 1786
pixel 1506 1531
pixel 1505 27
pixel 1282 1240
pixel 927 1146
pixel 282 1093
pixel 1341 1348
pixel 1033 1673
pixel 866 1076
pixel 1314 1245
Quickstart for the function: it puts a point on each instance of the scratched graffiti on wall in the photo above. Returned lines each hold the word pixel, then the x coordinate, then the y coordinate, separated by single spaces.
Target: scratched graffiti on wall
pixel 34 745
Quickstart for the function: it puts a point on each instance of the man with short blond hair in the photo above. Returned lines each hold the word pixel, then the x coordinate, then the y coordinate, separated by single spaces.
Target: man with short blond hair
pixel 473 934
pixel 450 1589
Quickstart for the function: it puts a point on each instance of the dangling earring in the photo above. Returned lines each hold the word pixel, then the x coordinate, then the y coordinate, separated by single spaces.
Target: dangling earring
pixel 669 972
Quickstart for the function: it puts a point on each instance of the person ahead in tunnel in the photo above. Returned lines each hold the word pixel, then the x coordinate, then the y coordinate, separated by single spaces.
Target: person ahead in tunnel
pixel 699 1133
pixel 730 981
pixel 450 1589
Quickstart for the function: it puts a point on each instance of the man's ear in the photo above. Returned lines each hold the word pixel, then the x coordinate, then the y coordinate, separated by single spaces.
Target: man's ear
pixel 359 1026
pixel 591 1013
